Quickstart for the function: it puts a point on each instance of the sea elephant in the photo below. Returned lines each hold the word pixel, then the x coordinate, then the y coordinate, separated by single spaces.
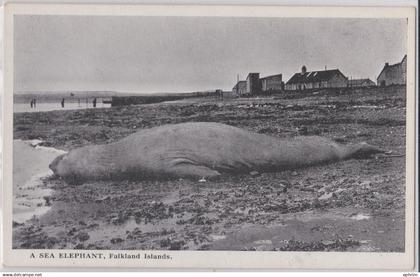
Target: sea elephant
pixel 199 149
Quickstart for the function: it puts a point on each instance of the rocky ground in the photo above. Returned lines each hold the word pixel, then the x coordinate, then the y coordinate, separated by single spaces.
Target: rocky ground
pixel 354 205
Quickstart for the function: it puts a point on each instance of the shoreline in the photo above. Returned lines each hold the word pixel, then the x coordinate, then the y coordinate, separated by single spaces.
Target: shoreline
pixel 368 195
pixel 31 195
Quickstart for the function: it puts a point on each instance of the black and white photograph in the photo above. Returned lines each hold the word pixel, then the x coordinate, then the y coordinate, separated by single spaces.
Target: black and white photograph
pixel 209 133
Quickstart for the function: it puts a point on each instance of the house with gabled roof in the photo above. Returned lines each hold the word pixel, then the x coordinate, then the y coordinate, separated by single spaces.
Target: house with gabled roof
pixel 316 79
pixel 394 74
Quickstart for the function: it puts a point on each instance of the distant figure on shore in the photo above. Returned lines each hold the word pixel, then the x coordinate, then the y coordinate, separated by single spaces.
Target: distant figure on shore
pixel 94 102
pixel 32 103
pixel 62 103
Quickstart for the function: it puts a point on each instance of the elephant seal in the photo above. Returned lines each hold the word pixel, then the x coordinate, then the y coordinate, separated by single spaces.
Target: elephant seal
pixel 196 150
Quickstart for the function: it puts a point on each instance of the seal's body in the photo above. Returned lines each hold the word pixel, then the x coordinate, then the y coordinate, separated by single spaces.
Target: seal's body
pixel 198 150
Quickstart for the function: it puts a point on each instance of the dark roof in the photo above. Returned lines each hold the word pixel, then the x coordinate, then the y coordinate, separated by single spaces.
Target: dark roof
pixel 314 76
pixel 392 66
pixel 271 76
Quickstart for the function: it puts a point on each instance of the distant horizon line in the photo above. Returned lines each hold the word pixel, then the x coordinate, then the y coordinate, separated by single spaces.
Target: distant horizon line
pixel 23 92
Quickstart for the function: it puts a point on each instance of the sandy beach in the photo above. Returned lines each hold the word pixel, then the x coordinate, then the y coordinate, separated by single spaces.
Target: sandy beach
pixel 354 205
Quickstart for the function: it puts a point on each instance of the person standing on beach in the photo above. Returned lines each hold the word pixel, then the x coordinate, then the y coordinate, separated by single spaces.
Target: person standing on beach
pixel 32 103
pixel 62 103
pixel 94 102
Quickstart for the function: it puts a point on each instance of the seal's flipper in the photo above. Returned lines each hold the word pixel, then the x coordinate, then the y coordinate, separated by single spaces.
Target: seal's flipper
pixel 193 171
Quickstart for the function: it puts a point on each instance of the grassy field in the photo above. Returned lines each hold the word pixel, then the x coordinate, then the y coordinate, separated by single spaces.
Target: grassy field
pixel 354 205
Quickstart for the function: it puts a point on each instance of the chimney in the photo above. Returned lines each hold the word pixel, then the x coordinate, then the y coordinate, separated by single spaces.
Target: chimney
pixel 386 64
pixel 303 69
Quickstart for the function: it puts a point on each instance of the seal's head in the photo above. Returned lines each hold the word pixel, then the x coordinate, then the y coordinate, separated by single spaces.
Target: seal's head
pixel 55 165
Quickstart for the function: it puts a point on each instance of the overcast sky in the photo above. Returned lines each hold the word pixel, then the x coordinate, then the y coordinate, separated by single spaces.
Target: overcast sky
pixel 177 54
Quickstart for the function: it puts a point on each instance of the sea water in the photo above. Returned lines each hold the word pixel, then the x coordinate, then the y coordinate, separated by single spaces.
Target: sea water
pixel 45 107
pixel 30 167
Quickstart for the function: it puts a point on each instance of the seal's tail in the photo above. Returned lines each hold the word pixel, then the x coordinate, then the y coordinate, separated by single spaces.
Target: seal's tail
pixel 364 151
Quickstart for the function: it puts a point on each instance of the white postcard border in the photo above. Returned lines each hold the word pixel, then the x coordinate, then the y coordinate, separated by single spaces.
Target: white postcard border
pixel 214 259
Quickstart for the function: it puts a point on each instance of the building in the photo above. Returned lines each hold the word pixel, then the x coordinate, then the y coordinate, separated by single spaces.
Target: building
pixel 253 85
pixel 317 79
pixel 239 88
pixel 356 83
pixel 273 82
pixel 394 74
